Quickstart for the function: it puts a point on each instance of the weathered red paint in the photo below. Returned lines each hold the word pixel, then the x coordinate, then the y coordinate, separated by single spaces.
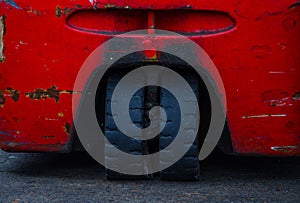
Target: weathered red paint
pixel 257 55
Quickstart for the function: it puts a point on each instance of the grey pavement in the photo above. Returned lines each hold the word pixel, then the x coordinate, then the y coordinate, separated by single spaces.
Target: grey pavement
pixel 36 177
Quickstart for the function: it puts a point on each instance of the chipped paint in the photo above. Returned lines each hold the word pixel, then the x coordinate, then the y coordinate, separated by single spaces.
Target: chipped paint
pixel 23 43
pixel 297 3
pixel 60 114
pixel 14 94
pixel 285 149
pixel 51 119
pixel 66 11
pixel 34 11
pixel 2 32
pixel 67 128
pixel 9 92
pixel 296 96
pixel 113 6
pixel 265 116
pixel 58 11
pixel 2 99
pixel 38 94
pixel 11 3
pixel 275 97
pixel 51 93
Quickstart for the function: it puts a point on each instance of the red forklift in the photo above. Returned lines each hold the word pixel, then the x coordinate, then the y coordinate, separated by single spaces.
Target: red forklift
pixel 255 46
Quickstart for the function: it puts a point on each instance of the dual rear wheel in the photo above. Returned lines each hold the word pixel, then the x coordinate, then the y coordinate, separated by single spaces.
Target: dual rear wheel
pixel 187 168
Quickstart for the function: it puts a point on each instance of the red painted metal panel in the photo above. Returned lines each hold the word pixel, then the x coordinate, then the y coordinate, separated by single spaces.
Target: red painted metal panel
pixel 258 59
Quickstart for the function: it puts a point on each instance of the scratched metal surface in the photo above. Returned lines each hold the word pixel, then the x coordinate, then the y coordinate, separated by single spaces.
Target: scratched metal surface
pixel 255 45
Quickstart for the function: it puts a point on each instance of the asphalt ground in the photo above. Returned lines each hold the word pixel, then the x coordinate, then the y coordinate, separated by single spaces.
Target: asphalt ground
pixel 35 177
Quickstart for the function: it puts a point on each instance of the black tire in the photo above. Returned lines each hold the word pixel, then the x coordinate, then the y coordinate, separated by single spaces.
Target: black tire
pixel 115 136
pixel 187 168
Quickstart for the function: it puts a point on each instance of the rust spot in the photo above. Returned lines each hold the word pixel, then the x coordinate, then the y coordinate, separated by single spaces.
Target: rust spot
pixel 52 93
pixel 58 11
pixel 66 11
pixel 275 97
pixel 44 93
pixel 67 128
pixel 14 94
pixel 34 11
pixel 9 92
pixel 296 96
pixel 113 6
pixel 289 23
pixel 2 33
pixel 261 51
